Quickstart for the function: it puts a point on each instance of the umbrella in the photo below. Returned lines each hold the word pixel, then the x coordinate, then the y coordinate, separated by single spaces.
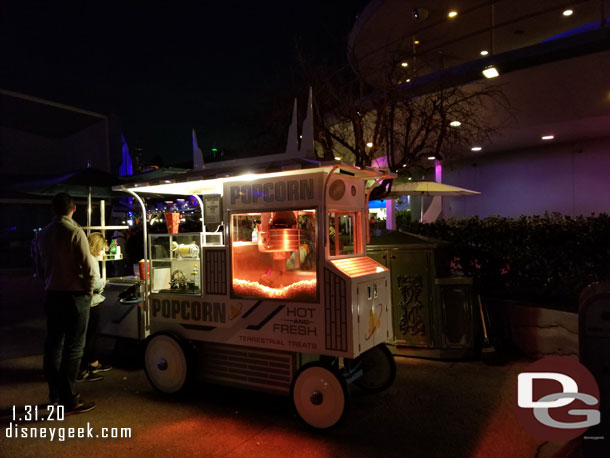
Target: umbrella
pixel 87 182
pixel 427 188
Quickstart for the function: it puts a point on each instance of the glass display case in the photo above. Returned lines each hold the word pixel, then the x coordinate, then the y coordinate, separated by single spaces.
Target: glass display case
pixel 275 254
pixel 175 263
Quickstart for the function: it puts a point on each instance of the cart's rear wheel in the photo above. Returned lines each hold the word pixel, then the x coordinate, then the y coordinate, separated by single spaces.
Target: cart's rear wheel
pixel 319 395
pixel 166 364
pixel 378 369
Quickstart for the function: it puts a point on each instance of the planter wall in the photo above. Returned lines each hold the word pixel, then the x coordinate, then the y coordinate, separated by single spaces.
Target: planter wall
pixel 539 332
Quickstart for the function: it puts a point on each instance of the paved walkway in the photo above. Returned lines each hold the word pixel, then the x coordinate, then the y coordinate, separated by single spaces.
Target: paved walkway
pixel 434 409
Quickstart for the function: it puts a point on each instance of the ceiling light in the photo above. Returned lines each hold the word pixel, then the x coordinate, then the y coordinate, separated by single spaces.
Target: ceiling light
pixel 476 148
pixel 431 158
pixel 455 123
pixel 416 42
pixel 410 178
pixel 491 72
pixel 484 52
pixel 568 12
pixel 548 137
pixel 452 14
pixel 404 165
pixel 369 144
pixel 404 64
pixel 337 158
pixel 408 80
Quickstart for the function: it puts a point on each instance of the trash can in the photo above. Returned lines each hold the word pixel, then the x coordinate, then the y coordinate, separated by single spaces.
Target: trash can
pixel 432 311
pixel 594 343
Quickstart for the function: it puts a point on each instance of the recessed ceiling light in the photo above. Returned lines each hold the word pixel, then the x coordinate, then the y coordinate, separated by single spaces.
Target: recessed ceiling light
pixel 404 165
pixel 568 12
pixel 491 72
pixel 408 80
pixel 404 64
pixel 431 158
pixel 548 137
pixel 455 123
pixel 476 148
pixel 369 144
pixel 484 52
pixel 416 42
pixel 410 178
pixel 452 14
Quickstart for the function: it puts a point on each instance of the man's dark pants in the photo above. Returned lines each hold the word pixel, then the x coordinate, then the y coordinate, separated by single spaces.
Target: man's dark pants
pixel 67 316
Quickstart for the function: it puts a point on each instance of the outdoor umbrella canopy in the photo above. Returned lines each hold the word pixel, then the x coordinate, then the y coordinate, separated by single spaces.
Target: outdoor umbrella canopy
pixel 89 183
pixel 79 183
pixel 428 188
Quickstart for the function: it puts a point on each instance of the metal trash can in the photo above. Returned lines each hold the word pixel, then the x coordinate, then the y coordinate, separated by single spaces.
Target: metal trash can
pixel 432 311
pixel 594 343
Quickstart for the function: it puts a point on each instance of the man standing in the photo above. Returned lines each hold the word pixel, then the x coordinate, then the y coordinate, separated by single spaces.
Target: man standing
pixel 67 270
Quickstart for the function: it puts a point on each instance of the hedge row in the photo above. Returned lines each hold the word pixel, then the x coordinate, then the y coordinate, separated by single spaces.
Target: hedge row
pixel 543 259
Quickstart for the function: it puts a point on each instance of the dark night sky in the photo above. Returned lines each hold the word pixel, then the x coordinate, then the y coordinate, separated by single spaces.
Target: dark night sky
pixel 224 68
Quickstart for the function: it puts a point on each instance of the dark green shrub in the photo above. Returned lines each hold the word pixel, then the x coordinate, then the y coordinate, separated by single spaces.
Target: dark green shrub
pixel 403 217
pixel 545 259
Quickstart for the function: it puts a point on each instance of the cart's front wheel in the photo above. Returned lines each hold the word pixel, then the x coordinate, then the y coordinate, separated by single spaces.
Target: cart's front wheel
pixel 319 395
pixel 166 364
pixel 378 369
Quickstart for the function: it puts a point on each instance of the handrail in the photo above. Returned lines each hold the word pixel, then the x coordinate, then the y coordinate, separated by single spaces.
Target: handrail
pixel 146 261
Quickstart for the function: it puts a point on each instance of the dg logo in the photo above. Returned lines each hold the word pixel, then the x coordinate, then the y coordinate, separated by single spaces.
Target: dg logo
pixel 557 399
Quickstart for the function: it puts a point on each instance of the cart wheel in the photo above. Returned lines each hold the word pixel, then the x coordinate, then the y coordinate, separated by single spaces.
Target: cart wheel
pixel 166 364
pixel 319 395
pixel 378 367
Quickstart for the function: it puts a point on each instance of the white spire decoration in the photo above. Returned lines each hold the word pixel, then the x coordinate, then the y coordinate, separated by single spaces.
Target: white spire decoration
pixel 292 144
pixel 197 154
pixel 306 148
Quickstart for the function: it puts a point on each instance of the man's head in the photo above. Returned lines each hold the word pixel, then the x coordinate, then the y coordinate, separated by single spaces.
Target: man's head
pixel 63 204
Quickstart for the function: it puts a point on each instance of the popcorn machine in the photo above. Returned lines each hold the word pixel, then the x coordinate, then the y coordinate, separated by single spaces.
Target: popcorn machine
pixel 280 296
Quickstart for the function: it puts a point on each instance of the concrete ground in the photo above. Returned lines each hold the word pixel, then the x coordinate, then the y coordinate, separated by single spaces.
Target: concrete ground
pixel 433 409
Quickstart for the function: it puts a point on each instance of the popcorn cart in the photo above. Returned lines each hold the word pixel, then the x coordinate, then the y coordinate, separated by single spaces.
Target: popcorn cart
pixel 276 292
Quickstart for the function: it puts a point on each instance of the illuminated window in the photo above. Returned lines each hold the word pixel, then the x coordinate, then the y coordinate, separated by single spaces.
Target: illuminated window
pixel 344 232
pixel 274 254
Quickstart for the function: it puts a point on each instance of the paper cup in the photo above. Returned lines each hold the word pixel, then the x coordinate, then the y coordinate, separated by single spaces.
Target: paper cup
pixel 173 222
pixel 142 273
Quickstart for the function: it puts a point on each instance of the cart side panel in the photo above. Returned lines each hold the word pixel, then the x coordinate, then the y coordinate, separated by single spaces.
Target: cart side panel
pixel 246 367
pixel 215 271
pixel 280 325
pixel 337 313
pixel 368 284
pixel 374 311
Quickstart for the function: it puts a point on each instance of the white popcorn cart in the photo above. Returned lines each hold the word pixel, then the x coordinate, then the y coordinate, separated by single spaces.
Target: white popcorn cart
pixel 276 292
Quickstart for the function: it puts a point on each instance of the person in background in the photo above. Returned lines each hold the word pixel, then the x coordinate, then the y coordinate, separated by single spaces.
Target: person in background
pixel 135 247
pixel 90 366
pixel 68 273
pixel 120 267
